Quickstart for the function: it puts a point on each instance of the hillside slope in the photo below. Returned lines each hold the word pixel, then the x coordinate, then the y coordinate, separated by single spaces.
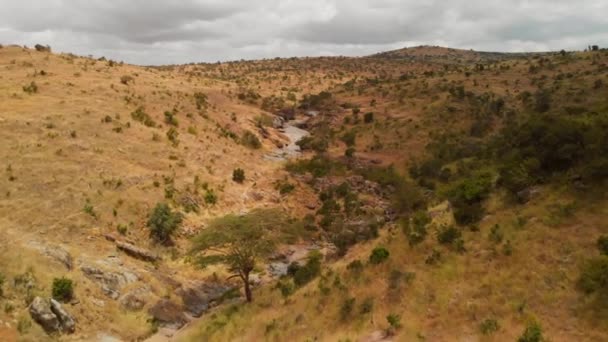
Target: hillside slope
pixel 442 195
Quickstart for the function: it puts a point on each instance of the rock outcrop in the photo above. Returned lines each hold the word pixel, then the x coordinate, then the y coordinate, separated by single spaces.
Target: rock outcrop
pixel 137 252
pixel 111 282
pixel 51 316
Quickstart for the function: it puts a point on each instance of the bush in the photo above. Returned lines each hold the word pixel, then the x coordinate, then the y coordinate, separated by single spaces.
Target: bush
pixel 31 88
pixel 602 244
pixel 533 333
pixel 163 222
pixel 238 175
pixel 448 235
pixel 250 140
pixel 173 136
pixel 63 289
pixel 210 197
pixel 368 117
pixel 394 321
pixel 141 116
pixel 489 326
pixel 415 228
pixel 355 267
pixel 125 79
pixel 594 275
pixel 367 306
pixel 313 143
pixel 304 274
pixel 379 255
pixel 170 119
pixel 347 308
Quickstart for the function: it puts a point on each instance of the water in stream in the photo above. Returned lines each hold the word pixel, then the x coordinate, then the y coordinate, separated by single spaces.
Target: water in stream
pixel 290 150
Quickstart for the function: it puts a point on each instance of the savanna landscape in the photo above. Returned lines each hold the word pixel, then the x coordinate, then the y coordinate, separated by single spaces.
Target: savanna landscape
pixel 420 194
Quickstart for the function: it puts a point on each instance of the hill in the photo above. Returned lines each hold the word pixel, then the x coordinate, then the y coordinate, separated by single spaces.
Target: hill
pixel 441 194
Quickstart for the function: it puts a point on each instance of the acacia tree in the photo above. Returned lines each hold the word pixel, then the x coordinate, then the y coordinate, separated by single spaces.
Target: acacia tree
pixel 240 241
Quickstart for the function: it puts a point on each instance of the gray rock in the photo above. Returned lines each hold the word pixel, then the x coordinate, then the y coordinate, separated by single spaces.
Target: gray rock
pixel 137 252
pixel 110 282
pixel 56 253
pixel 168 313
pixel 134 300
pixel 41 313
pixel 198 297
pixel 65 319
pixel 278 269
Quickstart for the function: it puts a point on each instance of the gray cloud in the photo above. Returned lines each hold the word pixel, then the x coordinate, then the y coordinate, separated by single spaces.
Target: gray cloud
pixel 160 31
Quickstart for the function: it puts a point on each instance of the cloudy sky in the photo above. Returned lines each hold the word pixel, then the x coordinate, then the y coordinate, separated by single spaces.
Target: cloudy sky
pixel 181 31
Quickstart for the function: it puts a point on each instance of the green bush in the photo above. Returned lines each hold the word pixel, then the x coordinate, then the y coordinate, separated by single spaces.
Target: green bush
pixel 63 289
pixel 594 275
pixel 31 88
pixel 238 175
pixel 304 274
pixel 415 228
pixel 533 333
pixel 313 143
pixel 163 223
pixel 367 306
pixel 602 244
pixel 347 308
pixel 355 267
pixel 250 140
pixel 378 255
pixel 448 235
pixel 210 197
pixel 489 326
pixel 368 117
pixel 141 116
pixel 170 118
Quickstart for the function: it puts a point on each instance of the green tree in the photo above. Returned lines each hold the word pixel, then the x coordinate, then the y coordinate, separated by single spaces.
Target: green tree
pixel 240 241
pixel 163 222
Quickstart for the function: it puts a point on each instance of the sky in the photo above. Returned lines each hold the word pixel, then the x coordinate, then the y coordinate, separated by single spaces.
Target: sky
pixel 152 32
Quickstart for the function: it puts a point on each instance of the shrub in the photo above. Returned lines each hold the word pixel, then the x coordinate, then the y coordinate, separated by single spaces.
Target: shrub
pixel 141 116
pixel 170 119
pixel 533 333
pixel 250 140
pixel 42 48
pixel 602 244
pixel 368 117
pixel 594 275
pixel 284 187
pixel 238 175
pixel 304 274
pixel 489 326
pixel 163 222
pixel 313 143
pixel 31 88
pixel 415 228
pixel 378 255
pixel 448 235
pixel 173 135
pixel 367 306
pixel 125 79
pixel 355 267
pixel 210 197
pixel 394 322
pixel 63 289
pixel 347 308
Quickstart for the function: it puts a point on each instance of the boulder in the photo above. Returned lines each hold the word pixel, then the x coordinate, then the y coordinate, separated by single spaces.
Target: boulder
pixel 110 282
pixel 277 122
pixel 136 252
pixel 134 300
pixel 65 319
pixel 41 313
pixel 198 297
pixel 168 313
